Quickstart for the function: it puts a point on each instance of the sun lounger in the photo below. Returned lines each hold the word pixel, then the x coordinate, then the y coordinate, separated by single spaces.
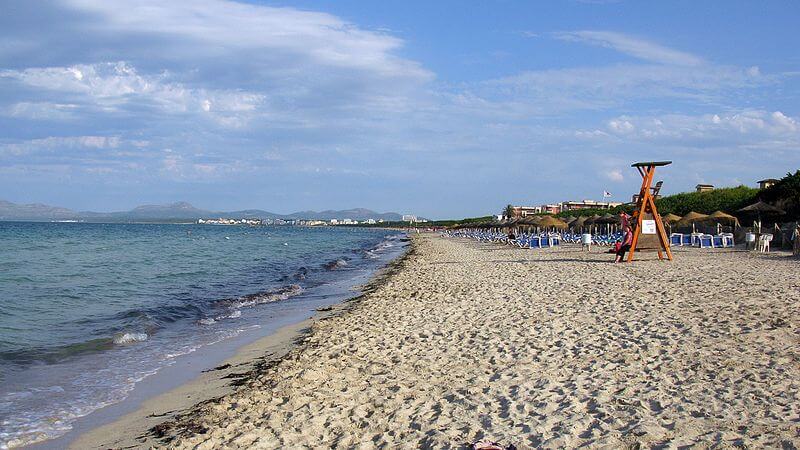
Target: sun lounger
pixel 704 241
pixel 727 240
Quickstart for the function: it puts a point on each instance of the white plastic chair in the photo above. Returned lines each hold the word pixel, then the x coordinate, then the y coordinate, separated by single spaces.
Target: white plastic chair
pixel 750 239
pixel 763 243
pixel 586 241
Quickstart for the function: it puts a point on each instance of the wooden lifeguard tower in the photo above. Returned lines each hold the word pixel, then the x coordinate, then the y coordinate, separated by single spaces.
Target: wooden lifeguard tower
pixel 648 229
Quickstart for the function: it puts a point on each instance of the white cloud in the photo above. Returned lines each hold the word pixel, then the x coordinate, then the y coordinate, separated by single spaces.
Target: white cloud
pixel 783 121
pixel 747 128
pixel 56 142
pixel 113 86
pixel 633 46
pixel 595 88
pixel 614 175
pixel 621 126
pixel 222 27
pixel 40 110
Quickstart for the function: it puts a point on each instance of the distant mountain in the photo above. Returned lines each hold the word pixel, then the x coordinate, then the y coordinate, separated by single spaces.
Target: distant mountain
pixel 354 214
pixel 249 213
pixel 180 211
pixel 35 211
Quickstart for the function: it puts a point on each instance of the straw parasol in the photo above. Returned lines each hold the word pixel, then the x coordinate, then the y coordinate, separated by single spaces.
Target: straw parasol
pixel 528 221
pixel 719 216
pixel 508 223
pixel 669 219
pixel 761 209
pixel 692 218
pixel 591 222
pixel 552 222
pixel 607 218
pixel 533 220
pixel 578 223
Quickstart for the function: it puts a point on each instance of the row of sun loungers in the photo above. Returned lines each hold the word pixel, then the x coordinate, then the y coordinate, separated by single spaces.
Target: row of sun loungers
pixel 544 240
pixel 547 240
pixel 699 240
pixel 604 240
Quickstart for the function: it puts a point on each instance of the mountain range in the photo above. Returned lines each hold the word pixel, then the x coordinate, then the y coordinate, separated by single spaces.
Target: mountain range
pixel 180 211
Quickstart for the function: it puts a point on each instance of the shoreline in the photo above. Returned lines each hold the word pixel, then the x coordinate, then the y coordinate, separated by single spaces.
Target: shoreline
pixel 154 417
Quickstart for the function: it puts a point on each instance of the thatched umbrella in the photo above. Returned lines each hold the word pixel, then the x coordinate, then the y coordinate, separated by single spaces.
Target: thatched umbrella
pixel 760 208
pixel 719 217
pixel 669 219
pixel 529 221
pixel 591 222
pixel 533 220
pixel 692 218
pixel 578 223
pixel 552 222
pixel 607 219
pixel 509 223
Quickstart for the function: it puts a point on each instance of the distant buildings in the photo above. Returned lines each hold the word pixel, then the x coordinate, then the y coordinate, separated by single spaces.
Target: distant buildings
pixel 555 208
pixel 764 184
pixel 524 211
pixel 588 204
pixel 301 222
pixel 221 221
pixel 704 187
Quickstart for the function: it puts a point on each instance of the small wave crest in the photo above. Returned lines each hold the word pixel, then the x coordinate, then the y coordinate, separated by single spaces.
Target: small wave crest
pixel 335 264
pixel 260 298
pixel 130 338
pixel 299 275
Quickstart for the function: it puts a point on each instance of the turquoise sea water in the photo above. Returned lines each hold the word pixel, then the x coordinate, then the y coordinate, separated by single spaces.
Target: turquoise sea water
pixel 88 310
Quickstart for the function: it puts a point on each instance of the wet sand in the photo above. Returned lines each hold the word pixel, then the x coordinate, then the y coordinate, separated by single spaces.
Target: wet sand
pixel 537 348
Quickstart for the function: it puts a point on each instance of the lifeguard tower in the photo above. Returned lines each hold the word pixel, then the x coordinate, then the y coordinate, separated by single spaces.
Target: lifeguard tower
pixel 648 229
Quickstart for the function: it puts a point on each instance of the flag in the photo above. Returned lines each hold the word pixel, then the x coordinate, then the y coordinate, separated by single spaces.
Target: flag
pixel 606 194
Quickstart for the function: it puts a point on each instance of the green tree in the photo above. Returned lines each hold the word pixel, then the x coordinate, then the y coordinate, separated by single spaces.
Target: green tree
pixel 721 199
pixel 785 194
pixel 508 211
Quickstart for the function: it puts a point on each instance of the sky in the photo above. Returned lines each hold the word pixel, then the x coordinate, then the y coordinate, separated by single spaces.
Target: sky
pixel 442 109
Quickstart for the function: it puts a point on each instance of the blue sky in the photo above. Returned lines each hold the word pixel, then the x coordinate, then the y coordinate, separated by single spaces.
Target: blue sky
pixel 443 109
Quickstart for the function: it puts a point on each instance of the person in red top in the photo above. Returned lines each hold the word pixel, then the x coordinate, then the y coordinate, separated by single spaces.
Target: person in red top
pixel 627 240
pixel 624 219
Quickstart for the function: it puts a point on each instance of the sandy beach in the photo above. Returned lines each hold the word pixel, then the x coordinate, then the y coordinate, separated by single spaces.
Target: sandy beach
pixel 548 348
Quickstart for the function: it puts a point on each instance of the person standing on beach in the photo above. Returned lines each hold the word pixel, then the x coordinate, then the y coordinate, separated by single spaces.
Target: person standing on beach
pixel 624 219
pixel 627 240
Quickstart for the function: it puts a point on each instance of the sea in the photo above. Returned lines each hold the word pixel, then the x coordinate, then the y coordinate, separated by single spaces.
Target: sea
pixel 88 311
